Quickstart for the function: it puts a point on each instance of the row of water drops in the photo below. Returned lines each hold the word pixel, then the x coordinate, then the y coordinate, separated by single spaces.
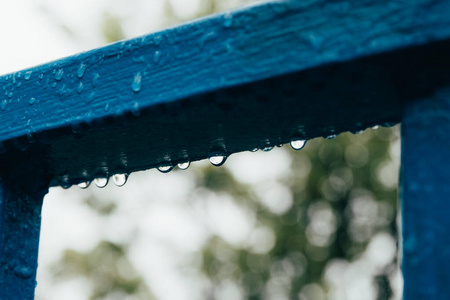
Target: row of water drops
pixel 216 159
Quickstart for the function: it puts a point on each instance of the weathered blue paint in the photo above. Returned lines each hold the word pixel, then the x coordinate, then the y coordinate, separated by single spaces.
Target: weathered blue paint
pixel 425 196
pixel 176 95
pixel 20 216
pixel 255 77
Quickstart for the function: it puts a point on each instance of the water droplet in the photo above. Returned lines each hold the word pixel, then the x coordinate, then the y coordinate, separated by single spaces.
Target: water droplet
pixel 375 127
pixel 106 106
pixel 120 179
pixel 135 109
pixel 217 159
pixel 31 101
pixel 59 74
pixel 101 182
pixel 80 88
pixel 297 144
pixel 84 185
pixel 156 57
pixel 65 184
pixel 27 75
pixel 81 70
pixel 184 165
pixel 4 104
pixel 10 94
pixel 94 80
pixel 332 136
pixel 228 20
pixel 136 84
pixel 157 39
pixel 254 150
pixel 54 84
pixel 41 76
pixel 23 272
pixel 267 148
pixel 165 168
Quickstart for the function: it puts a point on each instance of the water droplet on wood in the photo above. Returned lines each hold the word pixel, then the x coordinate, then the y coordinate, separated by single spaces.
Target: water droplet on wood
pixel 217 159
pixel 101 182
pixel 165 168
pixel 120 179
pixel 84 185
pixel 137 81
pixel 297 144
pixel 184 165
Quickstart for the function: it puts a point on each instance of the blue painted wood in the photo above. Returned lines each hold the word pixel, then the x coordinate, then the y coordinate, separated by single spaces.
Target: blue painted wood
pixel 20 216
pixel 425 196
pixel 231 82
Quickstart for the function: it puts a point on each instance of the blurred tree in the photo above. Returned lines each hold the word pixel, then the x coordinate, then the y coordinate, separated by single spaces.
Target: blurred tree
pixel 106 267
pixel 340 202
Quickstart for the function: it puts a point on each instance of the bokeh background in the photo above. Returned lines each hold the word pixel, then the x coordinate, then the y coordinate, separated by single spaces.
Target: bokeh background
pixel 314 224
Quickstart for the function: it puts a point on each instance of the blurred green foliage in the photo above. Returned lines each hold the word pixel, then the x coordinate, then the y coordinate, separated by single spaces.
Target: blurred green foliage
pixel 339 204
pixel 108 271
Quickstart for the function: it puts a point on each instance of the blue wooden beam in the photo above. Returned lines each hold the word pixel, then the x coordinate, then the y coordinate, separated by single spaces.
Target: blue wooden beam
pixel 250 78
pixel 21 195
pixel 425 198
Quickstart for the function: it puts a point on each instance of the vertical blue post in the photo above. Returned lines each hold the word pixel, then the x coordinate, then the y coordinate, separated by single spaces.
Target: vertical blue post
pixel 426 198
pixel 20 219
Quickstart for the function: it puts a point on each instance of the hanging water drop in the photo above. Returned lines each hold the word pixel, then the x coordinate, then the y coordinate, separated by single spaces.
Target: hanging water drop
pixel 254 150
pixel 165 168
pixel 120 179
pixel 184 165
pixel 217 159
pixel 267 148
pixel 297 144
pixel 84 185
pixel 65 184
pixel 136 84
pixel 27 75
pixel 332 136
pixel 101 182
pixel 81 70
pixel 59 74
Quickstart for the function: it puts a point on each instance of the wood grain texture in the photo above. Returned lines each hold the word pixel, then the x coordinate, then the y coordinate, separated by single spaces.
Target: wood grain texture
pixel 227 83
pixel 20 222
pixel 425 198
